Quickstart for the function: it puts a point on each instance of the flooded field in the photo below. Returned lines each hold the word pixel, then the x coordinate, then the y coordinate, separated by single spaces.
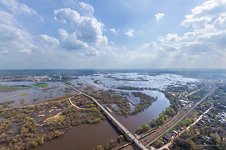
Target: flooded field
pixel 119 80
pixel 126 83
pixel 88 137
pixel 32 94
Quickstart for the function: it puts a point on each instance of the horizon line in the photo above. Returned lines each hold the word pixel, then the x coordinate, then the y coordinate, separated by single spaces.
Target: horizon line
pixel 114 69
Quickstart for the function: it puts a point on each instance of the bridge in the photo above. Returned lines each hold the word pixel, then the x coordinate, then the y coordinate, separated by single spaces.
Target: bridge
pixel 128 135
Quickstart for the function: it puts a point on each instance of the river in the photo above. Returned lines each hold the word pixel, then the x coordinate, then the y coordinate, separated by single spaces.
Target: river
pixel 89 136
pixel 84 138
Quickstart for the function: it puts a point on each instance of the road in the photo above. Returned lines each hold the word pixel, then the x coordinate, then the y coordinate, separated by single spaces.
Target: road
pixel 193 92
pixel 69 99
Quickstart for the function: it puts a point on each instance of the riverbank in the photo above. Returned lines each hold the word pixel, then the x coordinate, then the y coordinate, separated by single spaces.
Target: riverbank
pixel 33 125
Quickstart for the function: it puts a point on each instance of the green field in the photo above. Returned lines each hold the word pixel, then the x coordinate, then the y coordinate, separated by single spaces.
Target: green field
pixel 5 88
pixel 42 85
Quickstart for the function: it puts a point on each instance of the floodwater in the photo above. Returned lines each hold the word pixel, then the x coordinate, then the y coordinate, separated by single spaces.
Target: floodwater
pixel 34 94
pixel 87 137
pixel 152 112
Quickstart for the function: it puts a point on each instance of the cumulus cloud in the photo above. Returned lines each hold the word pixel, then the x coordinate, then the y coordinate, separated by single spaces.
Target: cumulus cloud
pixel 86 34
pixel 87 8
pixel 159 16
pixel 19 8
pixel 205 42
pixel 87 28
pixel 81 34
pixel 13 36
pixel 17 42
pixel 206 13
pixel 130 33
pixel 49 40
pixel 71 42
pixel 208 23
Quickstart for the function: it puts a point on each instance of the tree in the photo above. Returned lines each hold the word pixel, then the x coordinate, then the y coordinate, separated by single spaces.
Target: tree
pixel 187 122
pixel 192 144
pixel 181 144
pixel 34 143
pixel 216 138
pixel 158 143
pixel 120 138
pixel 144 128
pixel 99 147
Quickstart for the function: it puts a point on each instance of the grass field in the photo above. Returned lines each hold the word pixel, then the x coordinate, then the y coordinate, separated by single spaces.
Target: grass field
pixel 42 85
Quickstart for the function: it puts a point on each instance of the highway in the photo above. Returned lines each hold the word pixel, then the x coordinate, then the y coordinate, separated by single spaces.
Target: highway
pixel 114 121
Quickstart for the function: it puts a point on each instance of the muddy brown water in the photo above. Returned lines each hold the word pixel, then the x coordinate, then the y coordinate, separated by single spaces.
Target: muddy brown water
pixel 87 137
pixel 134 121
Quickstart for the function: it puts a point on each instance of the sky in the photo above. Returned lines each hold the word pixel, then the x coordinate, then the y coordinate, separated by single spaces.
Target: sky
pixel 112 34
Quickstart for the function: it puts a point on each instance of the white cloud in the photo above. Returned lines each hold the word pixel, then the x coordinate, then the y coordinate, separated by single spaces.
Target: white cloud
pixel 80 35
pixel 206 15
pixel 89 10
pixel 13 36
pixel 208 23
pixel 19 8
pixel 70 41
pixel 202 46
pixel 159 16
pixel 87 28
pixel 63 34
pixel 86 31
pixel 49 40
pixel 130 32
pixel 73 43
pixel 113 30
pixel 169 38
